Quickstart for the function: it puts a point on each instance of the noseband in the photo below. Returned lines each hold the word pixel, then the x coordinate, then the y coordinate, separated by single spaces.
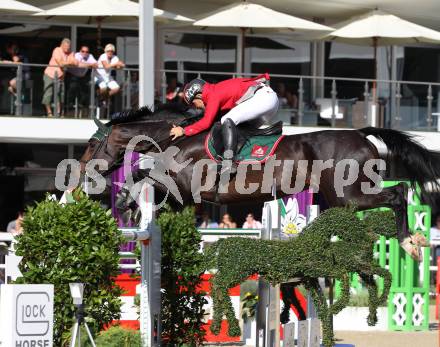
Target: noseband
pixel 101 143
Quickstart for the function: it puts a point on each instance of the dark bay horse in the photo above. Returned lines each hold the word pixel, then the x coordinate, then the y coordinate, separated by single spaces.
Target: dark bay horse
pixel 328 146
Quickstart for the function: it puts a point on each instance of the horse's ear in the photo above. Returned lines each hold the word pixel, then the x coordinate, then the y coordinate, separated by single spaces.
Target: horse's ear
pixel 101 126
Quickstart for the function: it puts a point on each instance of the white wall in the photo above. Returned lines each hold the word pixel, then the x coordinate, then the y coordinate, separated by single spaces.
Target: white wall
pixel 64 131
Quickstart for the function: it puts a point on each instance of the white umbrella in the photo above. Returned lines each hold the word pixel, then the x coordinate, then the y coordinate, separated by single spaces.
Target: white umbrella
pixel 103 10
pixel 380 28
pixel 13 6
pixel 245 15
pixel 166 16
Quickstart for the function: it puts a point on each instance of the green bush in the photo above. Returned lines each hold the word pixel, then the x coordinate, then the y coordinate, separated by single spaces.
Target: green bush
pixel 117 336
pixel 76 242
pixel 182 303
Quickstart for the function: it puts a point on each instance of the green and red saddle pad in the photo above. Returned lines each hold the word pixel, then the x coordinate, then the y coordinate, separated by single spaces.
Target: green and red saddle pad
pixel 257 149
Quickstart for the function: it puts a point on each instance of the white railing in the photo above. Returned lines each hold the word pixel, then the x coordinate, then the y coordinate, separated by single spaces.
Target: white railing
pixel 408 105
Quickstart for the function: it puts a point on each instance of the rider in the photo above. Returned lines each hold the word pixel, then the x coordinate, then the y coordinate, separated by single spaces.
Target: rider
pixel 238 100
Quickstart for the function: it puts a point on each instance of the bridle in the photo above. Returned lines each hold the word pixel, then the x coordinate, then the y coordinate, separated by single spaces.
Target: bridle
pixel 103 141
pixel 119 160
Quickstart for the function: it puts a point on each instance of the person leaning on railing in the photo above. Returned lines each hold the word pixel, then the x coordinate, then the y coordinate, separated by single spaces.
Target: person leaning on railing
pixel 227 222
pixel 251 222
pixel 105 81
pixel 14 56
pixel 78 86
pixel 15 226
pixel 61 58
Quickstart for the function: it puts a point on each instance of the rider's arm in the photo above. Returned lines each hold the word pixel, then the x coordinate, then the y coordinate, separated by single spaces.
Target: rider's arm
pixel 211 110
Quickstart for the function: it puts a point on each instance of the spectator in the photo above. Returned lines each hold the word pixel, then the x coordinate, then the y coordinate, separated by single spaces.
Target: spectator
pixel 281 92
pixel 292 100
pixel 227 222
pixel 15 226
pixel 106 62
pixel 14 56
pixel 207 223
pixel 79 78
pixel 61 58
pixel 251 222
pixel 174 91
pixel 435 236
pixel 134 89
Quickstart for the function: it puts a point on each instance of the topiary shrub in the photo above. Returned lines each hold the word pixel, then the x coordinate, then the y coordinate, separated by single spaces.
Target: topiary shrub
pixel 309 256
pixel 182 303
pixel 76 242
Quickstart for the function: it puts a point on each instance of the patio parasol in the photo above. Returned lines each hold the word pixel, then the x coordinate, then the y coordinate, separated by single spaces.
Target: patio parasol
pixel 16 7
pixel 87 11
pixel 248 16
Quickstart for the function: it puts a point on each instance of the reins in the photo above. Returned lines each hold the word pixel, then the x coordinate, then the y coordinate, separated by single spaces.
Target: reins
pixel 119 161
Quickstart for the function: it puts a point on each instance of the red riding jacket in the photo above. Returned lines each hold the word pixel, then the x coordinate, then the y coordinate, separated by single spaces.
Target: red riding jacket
pixel 221 96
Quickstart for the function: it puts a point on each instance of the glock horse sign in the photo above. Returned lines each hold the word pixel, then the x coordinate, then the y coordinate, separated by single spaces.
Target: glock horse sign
pixel 26 315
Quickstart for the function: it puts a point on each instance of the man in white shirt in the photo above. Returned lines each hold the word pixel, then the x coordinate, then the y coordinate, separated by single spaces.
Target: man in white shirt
pixel 106 62
pixel 251 222
pixel 79 77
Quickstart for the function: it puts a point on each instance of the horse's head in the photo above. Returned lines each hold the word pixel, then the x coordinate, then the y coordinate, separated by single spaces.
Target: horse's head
pixel 98 147
pixel 110 140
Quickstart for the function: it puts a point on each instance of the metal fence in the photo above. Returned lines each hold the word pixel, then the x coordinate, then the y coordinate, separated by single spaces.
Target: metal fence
pixel 347 102
pixel 315 100
pixel 72 96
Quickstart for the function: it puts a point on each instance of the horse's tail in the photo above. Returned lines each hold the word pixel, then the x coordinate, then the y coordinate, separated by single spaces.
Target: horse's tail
pixel 422 165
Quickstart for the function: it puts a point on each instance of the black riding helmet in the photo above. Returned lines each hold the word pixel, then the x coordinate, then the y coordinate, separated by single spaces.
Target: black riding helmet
pixel 192 89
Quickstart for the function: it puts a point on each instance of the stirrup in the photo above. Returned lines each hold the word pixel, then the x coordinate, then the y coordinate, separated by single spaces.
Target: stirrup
pixel 232 169
pixel 228 155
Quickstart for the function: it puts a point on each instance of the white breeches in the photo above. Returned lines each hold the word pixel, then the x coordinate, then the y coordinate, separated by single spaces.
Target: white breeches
pixel 263 103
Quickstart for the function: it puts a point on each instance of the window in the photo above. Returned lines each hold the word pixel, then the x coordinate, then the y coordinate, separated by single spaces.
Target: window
pixel 342 60
pixel 200 52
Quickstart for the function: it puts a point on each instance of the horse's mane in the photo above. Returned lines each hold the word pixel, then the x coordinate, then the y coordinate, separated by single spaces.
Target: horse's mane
pixel 163 112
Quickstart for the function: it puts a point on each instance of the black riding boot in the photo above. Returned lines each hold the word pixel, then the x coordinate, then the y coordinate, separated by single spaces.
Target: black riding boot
pixel 229 134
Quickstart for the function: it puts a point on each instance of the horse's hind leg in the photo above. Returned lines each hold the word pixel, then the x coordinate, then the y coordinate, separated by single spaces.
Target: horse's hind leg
pixel 374 298
pixel 288 290
pixel 285 292
pixel 394 197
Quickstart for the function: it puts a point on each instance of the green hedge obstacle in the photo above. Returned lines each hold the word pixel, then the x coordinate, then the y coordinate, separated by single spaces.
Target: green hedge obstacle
pixel 314 253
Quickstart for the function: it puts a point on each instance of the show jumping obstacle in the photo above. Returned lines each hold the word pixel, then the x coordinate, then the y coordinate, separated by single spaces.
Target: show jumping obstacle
pixel 313 254
pixel 149 236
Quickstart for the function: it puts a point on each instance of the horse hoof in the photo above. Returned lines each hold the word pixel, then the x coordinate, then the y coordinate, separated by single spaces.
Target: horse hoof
pixel 411 249
pixel 416 254
pixel 420 240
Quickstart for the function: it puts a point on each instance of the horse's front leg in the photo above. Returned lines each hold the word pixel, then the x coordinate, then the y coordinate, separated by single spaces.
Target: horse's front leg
pixel 222 306
pixel 318 297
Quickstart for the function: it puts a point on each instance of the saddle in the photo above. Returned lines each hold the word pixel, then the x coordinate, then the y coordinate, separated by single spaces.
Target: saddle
pixel 254 144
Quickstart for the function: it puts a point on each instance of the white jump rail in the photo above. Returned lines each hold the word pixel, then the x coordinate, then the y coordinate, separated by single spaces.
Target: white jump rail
pixel 149 236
